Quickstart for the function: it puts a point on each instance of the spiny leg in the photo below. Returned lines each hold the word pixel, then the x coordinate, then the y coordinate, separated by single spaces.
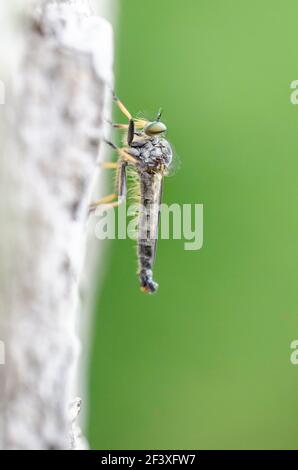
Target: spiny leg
pixel 104 200
pixel 139 123
pixel 121 106
pixel 110 165
pixel 130 127
pixel 133 123
pixel 123 153
pixel 120 126
pixel 126 158
pixel 108 201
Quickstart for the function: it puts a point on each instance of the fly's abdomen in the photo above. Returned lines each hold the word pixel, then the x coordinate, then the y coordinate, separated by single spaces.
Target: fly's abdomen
pixel 151 186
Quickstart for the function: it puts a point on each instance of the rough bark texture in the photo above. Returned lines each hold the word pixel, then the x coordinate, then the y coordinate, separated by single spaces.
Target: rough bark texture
pixel 53 131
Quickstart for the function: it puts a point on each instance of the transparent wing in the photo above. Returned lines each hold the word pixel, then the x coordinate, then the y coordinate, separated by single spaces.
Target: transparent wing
pixel 175 164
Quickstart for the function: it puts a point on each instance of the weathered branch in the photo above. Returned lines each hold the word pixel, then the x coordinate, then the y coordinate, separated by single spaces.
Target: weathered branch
pixel 54 125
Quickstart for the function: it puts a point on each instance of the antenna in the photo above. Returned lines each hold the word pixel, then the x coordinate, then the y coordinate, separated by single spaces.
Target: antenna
pixel 159 114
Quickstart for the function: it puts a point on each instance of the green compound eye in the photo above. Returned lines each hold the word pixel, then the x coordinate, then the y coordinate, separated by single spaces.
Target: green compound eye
pixel 155 127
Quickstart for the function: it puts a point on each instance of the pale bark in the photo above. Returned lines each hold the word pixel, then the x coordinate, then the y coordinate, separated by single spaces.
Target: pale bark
pixel 51 131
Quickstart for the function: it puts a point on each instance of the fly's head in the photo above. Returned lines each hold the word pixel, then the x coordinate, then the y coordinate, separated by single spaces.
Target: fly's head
pixel 155 128
pixel 154 151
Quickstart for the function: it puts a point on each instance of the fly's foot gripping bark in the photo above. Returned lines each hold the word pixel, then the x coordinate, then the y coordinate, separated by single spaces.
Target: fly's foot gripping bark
pixel 148 285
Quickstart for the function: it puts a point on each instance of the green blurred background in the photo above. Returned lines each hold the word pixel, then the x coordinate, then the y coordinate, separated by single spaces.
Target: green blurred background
pixel 205 363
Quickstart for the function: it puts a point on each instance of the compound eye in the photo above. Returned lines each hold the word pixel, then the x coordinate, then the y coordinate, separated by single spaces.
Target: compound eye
pixel 155 127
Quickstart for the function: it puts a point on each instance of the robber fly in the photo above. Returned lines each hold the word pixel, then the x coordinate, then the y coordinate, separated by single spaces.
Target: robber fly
pixel 149 154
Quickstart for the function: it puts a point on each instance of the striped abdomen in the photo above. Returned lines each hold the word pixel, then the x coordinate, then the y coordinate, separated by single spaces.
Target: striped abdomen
pixel 151 189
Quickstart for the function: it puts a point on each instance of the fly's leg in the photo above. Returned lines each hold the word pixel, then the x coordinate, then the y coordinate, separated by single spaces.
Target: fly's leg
pixel 118 125
pixel 130 127
pixel 110 165
pixel 109 201
pixel 125 158
pixel 139 123
pixel 133 123
pixel 122 108
pixel 106 200
pixel 123 153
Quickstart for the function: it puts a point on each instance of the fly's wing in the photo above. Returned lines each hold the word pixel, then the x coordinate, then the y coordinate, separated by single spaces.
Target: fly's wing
pixel 175 163
pixel 160 201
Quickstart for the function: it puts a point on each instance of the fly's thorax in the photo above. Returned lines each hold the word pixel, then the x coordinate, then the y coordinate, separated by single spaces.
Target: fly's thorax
pixel 154 153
